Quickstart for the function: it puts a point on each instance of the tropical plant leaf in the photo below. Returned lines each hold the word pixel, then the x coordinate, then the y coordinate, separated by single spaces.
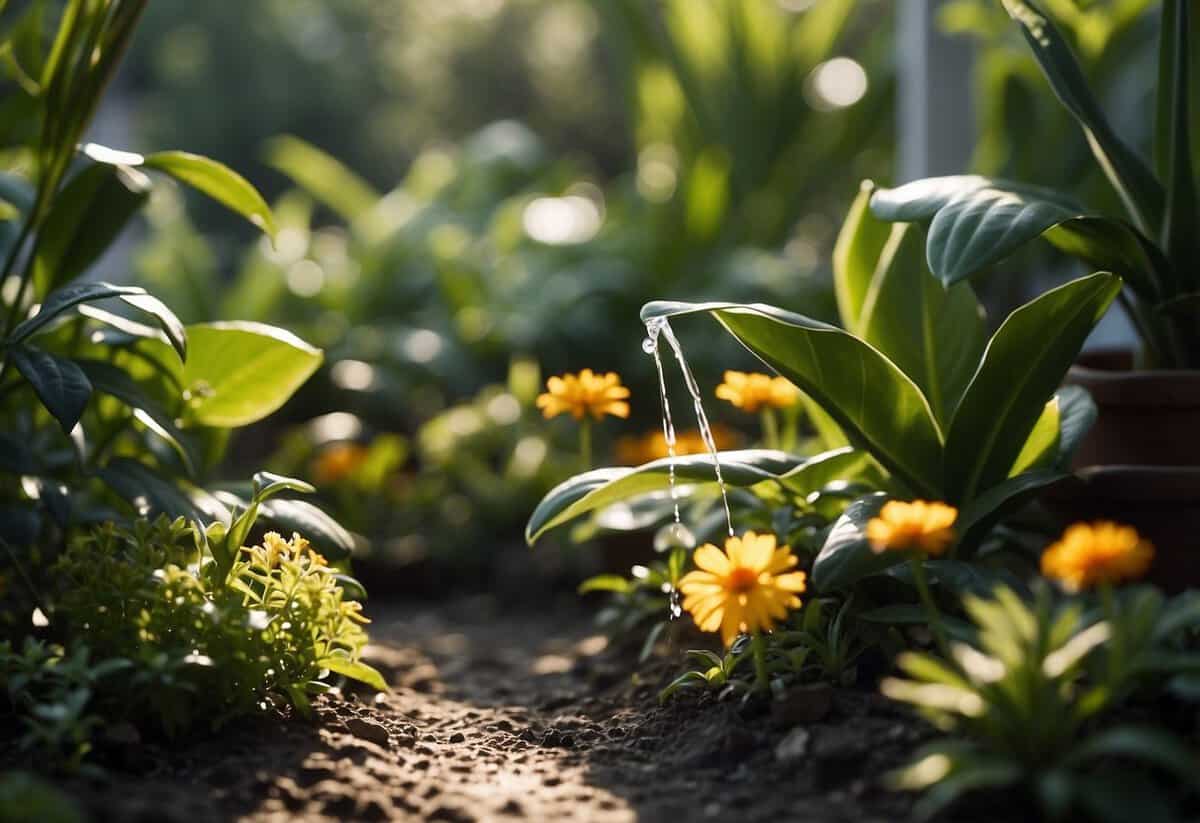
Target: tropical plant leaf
pixel 859 246
pixel 846 556
pixel 936 335
pixel 999 501
pixel 322 176
pixel 87 216
pixel 1129 175
pixel 1042 447
pixel 148 492
pixel 59 383
pixel 1009 392
pixel 1077 415
pixel 1181 222
pixel 876 404
pixel 602 487
pixel 217 181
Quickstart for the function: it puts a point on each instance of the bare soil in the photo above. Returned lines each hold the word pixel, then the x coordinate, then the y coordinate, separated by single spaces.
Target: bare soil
pixel 496 716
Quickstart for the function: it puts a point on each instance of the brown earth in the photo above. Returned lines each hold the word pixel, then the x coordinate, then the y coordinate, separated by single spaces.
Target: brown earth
pixel 496 716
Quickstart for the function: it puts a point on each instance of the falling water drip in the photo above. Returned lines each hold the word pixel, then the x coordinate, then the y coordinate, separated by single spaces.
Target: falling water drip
pixel 660 326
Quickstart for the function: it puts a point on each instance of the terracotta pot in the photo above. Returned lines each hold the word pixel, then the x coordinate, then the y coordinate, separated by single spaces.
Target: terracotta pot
pixel 1147 418
pixel 1140 464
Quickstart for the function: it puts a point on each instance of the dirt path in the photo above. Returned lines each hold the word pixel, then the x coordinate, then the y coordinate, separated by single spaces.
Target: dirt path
pixel 502 717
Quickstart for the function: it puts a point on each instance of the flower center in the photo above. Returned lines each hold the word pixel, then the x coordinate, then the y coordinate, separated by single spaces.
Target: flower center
pixel 742 580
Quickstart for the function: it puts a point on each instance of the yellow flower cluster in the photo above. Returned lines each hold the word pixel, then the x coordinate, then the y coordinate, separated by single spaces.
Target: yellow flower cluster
pixel 750 587
pixel 585 394
pixel 276 550
pixel 1101 553
pixel 920 525
pixel 754 391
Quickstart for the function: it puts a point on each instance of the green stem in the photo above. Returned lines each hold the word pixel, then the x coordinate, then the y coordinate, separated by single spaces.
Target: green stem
pixel 770 428
pixel 931 609
pixel 758 645
pixel 585 443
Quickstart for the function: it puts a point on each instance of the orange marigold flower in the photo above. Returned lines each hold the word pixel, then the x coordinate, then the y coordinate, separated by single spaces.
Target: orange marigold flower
pixel 583 394
pixel 337 462
pixel 746 588
pixel 921 525
pixel 1089 554
pixel 751 392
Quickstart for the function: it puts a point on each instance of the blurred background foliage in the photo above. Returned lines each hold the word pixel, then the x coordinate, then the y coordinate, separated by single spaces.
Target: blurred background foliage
pixel 474 194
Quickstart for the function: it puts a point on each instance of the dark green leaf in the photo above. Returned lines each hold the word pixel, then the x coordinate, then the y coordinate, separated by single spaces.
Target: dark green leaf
pixel 87 216
pixel 326 534
pixel 15 455
pixel 148 492
pixel 936 335
pixel 1148 745
pixel 875 403
pixel 1024 364
pixel 1129 175
pixel 602 487
pixel 61 385
pixel 20 524
pixel 846 556
pixel 1181 223
pixel 855 256
pixel 1077 415
pixel 1000 501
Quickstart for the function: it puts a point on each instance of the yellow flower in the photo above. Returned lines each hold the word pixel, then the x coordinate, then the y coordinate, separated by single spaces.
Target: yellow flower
pixel 584 394
pixel 275 549
pixel 337 462
pixel 920 525
pixel 751 392
pixel 633 450
pixel 746 588
pixel 1091 553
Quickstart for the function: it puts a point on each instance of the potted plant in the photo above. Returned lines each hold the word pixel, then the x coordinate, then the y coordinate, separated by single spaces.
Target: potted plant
pixel 1142 459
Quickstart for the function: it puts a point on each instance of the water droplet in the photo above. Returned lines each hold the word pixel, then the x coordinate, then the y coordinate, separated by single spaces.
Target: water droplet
pixel 649 346
pixel 674 536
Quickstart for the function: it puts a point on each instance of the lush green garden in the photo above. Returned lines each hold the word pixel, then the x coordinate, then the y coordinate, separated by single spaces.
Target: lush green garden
pixel 642 418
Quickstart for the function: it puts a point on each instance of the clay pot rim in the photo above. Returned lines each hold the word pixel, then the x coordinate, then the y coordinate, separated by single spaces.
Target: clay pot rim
pixel 1114 384
pixel 1161 485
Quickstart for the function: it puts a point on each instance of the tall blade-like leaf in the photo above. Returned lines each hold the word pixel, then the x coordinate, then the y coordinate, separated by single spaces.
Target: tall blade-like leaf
pixel 855 256
pixel 1181 224
pixel 1042 446
pixel 1128 173
pixel 602 487
pixel 61 385
pixel 322 176
pixel 935 334
pixel 876 404
pixel 1023 366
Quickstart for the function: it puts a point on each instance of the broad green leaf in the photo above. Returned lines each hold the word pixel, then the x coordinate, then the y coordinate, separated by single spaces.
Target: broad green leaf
pixel 61 385
pixel 979 221
pixel 829 433
pixel 818 472
pixel 238 373
pixel 87 216
pixel 1042 447
pixel 69 297
pixel 602 487
pixel 114 382
pixel 997 502
pixel 1024 363
pixel 879 407
pixel 1129 175
pixel 936 335
pixel 322 176
pixel 219 182
pixel 311 523
pixel 847 557
pixel 355 670
pixel 146 490
pixel 859 245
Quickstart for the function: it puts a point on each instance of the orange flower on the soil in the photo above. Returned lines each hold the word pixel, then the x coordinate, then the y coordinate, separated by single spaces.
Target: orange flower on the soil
pixel 920 525
pixel 338 461
pixel 1091 554
pixel 749 587
pixel 585 394
pixel 634 450
pixel 753 391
